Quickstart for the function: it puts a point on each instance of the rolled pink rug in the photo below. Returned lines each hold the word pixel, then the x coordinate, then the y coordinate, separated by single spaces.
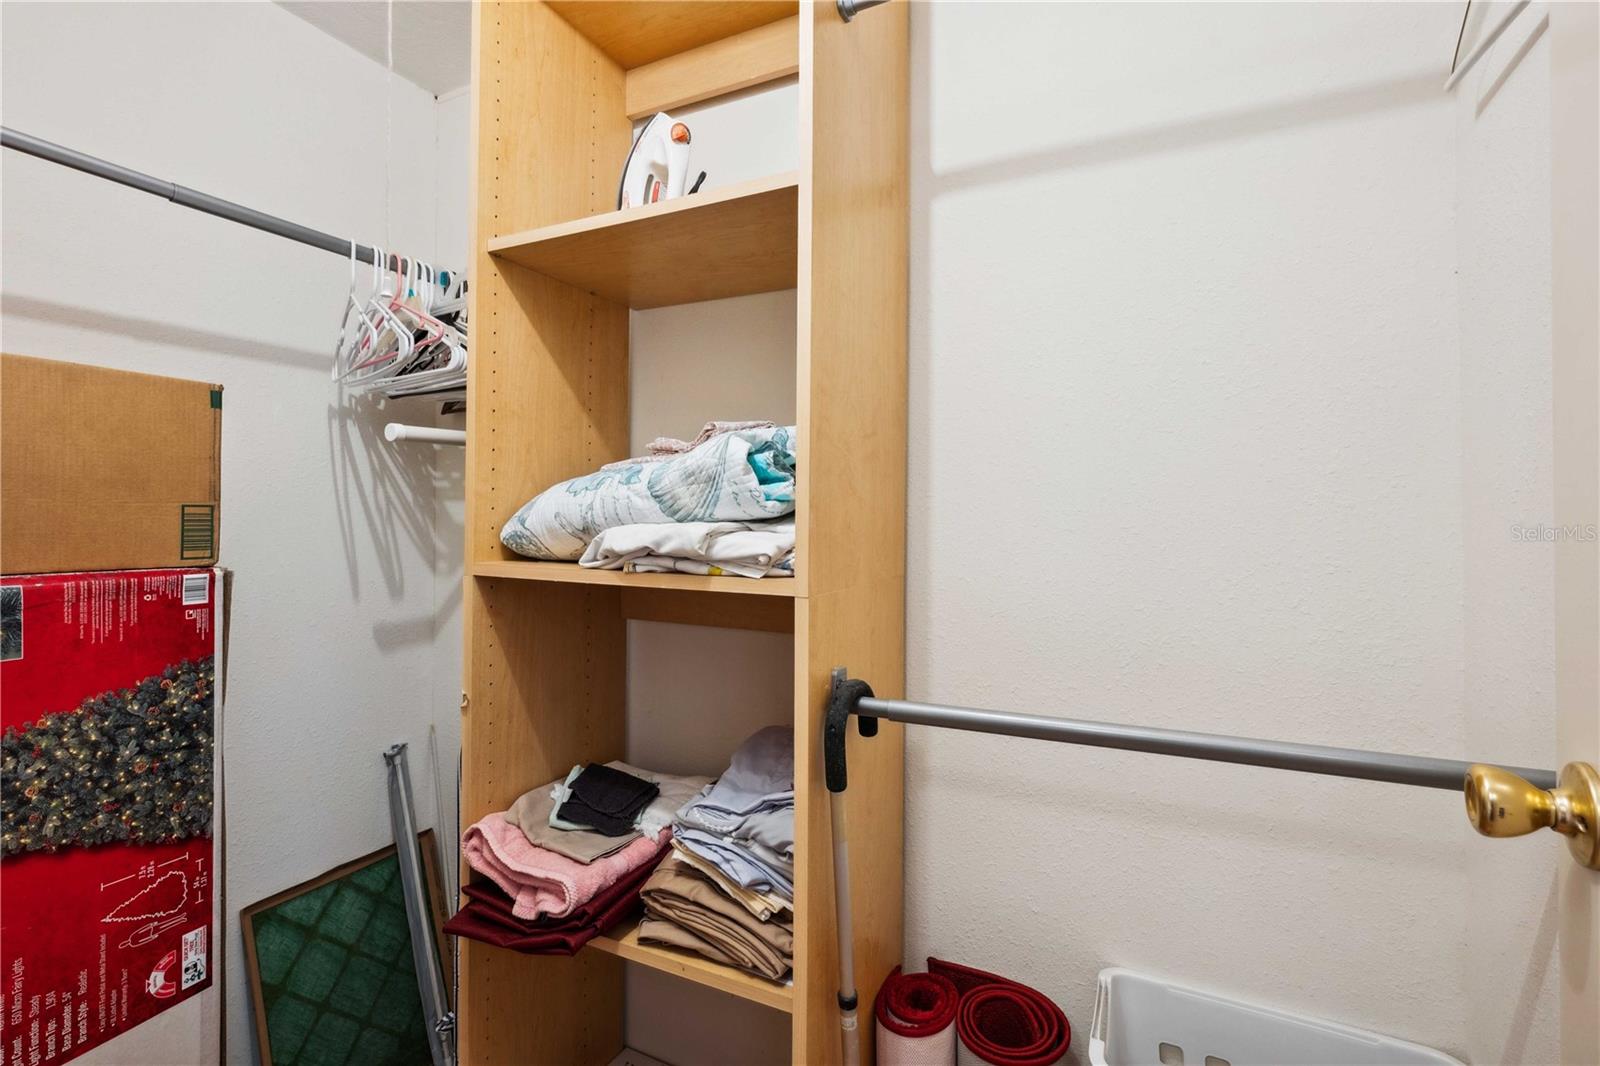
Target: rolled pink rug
pixel 916 1016
pixel 539 881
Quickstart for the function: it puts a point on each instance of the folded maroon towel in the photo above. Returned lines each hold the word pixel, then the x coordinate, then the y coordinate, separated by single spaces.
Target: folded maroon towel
pixel 494 897
pixel 488 917
pixel 469 923
pixel 1003 1022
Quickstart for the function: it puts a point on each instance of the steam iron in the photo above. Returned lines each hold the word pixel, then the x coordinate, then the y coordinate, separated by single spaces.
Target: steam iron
pixel 658 164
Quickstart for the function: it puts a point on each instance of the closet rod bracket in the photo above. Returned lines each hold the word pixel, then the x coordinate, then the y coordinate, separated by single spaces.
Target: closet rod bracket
pixel 844 699
pixel 849 9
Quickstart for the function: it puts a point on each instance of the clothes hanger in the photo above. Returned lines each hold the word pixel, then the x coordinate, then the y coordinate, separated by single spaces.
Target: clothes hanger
pixel 409 335
pixel 351 306
pixel 363 336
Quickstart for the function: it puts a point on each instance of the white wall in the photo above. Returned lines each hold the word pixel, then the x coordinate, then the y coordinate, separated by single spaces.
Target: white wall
pixel 1502 111
pixel 1205 435
pixel 453 174
pixel 330 531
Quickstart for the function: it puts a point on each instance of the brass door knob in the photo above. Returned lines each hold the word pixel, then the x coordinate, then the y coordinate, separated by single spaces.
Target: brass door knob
pixel 1501 804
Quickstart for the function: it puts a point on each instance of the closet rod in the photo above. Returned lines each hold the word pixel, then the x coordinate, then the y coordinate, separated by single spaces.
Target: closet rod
pixel 181 195
pixel 855 697
pixel 398 431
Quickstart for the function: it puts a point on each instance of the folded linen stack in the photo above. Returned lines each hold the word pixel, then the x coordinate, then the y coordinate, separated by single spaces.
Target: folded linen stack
pixel 719 504
pixel 727 892
pixel 686 909
pixel 568 860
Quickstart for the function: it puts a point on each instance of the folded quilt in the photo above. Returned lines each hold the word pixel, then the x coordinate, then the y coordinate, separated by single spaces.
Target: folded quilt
pixel 675 791
pixel 739 476
pixel 684 909
pixel 539 881
pixel 607 800
pixel 742 549
pixel 531 814
pixel 666 447
pixel 761 905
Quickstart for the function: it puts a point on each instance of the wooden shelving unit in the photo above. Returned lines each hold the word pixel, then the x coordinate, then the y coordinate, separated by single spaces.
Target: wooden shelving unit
pixel 555 271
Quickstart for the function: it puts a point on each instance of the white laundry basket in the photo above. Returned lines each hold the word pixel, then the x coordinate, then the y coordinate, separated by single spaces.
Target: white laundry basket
pixel 1142 1021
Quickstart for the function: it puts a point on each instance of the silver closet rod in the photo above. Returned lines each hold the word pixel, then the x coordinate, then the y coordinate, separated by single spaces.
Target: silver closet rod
pixel 182 195
pixel 854 697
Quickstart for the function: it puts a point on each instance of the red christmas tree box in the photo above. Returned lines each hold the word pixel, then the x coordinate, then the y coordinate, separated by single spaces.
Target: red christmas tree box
pixel 108 775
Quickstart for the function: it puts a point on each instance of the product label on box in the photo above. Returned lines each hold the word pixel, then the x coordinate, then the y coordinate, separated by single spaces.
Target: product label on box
pixel 107 775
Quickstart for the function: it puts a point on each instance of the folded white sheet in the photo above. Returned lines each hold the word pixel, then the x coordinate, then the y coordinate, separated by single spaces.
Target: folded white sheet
pixel 743 549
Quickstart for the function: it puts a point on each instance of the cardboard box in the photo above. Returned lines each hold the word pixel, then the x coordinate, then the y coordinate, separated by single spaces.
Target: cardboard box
pixel 110 734
pixel 106 469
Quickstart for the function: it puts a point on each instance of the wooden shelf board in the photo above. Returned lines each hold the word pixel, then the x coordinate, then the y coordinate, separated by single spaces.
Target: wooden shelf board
pixel 624 943
pixel 728 242
pixel 635 32
pixel 751 58
pixel 572 573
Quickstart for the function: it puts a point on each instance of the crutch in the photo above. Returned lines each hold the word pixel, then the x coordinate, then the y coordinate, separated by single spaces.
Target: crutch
pixel 842 696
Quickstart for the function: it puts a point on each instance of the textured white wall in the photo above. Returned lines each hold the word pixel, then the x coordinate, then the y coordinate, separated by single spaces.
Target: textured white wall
pixel 330 531
pixel 453 168
pixel 1503 233
pixel 1195 443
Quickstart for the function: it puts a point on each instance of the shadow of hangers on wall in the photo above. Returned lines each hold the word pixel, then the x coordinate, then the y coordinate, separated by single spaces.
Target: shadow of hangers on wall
pixel 1511 64
pixel 1195 132
pixel 155 332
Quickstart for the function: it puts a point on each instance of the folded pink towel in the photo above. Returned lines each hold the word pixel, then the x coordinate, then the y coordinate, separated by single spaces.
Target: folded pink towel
pixel 539 881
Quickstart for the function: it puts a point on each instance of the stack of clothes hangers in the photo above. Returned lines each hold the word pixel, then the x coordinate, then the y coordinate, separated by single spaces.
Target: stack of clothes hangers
pixel 409 337
pixel 569 859
pixel 722 503
pixel 727 890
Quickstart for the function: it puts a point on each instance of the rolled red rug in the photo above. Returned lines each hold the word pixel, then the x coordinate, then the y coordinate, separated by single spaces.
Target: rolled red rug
pixel 1002 1023
pixel 916 1015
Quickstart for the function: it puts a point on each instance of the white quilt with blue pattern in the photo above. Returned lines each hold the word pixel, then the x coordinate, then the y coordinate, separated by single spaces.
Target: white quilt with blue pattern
pixel 741 476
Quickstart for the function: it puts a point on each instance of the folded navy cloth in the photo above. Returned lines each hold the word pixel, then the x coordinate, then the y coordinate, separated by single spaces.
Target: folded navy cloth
pixel 607 800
